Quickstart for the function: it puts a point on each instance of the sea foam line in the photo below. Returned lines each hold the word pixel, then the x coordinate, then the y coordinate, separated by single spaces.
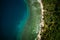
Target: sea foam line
pixel 42 21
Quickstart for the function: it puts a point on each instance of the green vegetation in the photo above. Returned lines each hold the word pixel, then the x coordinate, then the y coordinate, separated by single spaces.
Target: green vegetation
pixel 51 19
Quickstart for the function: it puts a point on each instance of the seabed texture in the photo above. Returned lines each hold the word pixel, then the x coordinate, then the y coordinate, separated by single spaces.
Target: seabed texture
pixel 51 19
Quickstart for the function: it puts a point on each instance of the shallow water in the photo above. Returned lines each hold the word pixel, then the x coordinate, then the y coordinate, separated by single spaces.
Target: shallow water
pixel 33 25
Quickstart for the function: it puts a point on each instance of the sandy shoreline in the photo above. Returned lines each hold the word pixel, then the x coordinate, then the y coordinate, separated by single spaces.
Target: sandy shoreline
pixel 42 21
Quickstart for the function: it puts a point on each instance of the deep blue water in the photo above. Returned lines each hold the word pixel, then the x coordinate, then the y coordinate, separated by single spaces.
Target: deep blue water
pixel 13 16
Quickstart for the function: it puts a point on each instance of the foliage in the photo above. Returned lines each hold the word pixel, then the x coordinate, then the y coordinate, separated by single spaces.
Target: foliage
pixel 52 20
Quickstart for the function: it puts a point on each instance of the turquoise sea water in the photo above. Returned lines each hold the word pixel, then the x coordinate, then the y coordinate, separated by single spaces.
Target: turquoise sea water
pixel 21 26
pixel 33 25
